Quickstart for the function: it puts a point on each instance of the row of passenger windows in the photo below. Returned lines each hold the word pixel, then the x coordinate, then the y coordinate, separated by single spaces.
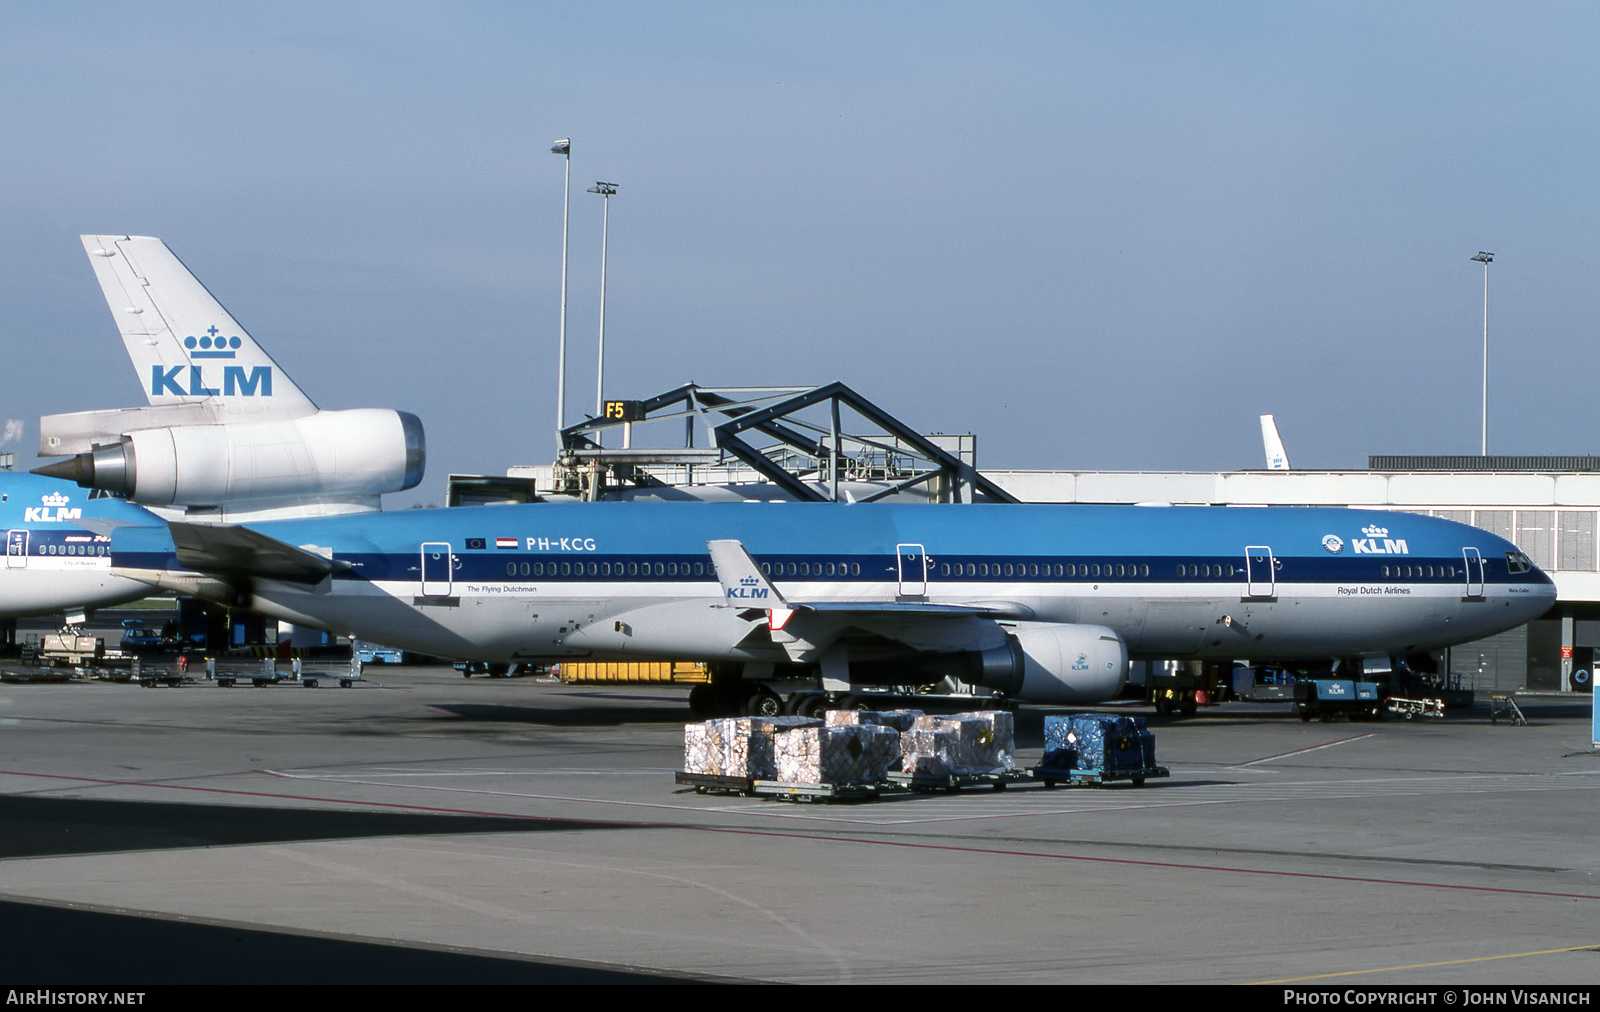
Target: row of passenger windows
pixel 1035 569
pixel 1419 571
pixel 74 549
pixel 609 569
pixel 811 568
pixel 781 569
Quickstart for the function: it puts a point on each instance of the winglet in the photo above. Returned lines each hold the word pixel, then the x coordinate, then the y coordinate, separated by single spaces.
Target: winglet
pixel 744 584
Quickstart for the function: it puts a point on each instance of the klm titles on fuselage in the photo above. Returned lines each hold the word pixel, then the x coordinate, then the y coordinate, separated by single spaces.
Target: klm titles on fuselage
pixel 1378 542
pixel 55 510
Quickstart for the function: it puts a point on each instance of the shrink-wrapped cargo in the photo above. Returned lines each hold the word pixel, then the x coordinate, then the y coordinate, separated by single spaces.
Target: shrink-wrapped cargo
pixel 1089 741
pixel 963 744
pixel 841 754
pixel 900 720
pixel 736 746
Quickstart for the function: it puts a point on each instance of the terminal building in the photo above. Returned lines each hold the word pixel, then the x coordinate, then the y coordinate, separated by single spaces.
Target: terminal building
pixel 829 443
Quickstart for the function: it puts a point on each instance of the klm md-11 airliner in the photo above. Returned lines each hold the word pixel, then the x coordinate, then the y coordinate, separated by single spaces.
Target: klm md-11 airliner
pixel 1039 603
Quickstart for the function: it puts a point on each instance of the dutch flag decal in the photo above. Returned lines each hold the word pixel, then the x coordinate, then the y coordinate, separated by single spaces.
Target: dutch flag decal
pixel 505 542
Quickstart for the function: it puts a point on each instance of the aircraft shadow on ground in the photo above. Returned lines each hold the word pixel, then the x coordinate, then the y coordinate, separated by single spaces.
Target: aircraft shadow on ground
pixel 570 716
pixel 53 827
pixel 52 945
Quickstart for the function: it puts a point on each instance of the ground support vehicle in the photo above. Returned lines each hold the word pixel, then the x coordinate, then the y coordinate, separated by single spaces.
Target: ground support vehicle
pixel 150 677
pixel 271 675
pixel 1406 709
pixel 1325 698
pixel 1198 683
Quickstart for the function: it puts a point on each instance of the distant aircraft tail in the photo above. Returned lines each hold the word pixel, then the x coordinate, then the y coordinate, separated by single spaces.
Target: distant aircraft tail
pixel 185 347
pixel 1277 459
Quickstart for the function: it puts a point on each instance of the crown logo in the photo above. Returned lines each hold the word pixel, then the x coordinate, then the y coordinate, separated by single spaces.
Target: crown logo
pixel 54 499
pixel 749 581
pixel 211 345
pixel 1374 531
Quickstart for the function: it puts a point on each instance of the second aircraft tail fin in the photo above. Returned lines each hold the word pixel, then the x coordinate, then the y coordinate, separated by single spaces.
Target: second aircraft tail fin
pixel 185 347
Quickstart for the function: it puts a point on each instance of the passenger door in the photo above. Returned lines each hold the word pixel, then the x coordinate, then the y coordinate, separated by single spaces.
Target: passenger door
pixel 1474 574
pixel 437 566
pixel 17 549
pixel 1261 572
pixel 912 567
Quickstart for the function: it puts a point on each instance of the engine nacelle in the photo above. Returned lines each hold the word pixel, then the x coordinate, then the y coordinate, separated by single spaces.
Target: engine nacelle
pixel 363 451
pixel 1048 663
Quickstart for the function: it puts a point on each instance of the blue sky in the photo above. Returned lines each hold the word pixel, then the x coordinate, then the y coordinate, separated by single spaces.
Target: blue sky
pixel 1100 235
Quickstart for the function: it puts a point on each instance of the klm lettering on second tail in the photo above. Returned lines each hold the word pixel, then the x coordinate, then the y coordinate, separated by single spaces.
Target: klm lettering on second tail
pixel 1378 542
pixel 236 381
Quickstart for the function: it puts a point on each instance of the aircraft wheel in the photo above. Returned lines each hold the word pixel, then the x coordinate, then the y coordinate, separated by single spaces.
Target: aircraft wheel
pixel 860 704
pixel 763 702
pixel 702 701
pixel 811 706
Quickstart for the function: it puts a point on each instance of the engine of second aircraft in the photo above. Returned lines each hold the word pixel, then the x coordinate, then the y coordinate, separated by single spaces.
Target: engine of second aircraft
pixel 364 451
pixel 1047 663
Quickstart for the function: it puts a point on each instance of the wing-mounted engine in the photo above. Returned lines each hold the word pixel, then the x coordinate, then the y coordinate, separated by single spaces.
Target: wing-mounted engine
pixel 1048 663
pixel 354 454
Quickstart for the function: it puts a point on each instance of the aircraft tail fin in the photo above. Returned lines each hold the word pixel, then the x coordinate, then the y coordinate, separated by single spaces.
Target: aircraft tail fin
pixel 185 347
pixel 1277 459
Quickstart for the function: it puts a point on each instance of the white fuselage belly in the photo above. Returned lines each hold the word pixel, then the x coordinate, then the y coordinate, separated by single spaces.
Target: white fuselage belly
pixel 621 621
pixel 50 584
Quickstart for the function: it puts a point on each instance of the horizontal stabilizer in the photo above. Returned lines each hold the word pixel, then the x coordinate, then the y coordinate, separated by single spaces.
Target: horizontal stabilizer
pixel 84 431
pixel 225 549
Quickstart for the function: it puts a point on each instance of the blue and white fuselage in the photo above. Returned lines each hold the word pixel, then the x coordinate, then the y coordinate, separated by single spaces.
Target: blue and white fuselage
pixel 58 547
pixel 1014 594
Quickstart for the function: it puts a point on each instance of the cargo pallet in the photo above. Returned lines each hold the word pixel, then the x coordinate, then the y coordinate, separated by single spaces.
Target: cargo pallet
pixel 707 783
pixel 1053 776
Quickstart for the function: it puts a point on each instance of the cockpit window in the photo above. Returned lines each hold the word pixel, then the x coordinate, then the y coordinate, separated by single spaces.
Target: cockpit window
pixel 1516 562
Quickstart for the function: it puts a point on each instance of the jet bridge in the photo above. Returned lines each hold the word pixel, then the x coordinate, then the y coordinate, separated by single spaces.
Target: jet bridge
pixel 808 444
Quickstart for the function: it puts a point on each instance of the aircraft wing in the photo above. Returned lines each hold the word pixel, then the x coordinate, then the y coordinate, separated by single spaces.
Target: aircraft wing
pixel 228 550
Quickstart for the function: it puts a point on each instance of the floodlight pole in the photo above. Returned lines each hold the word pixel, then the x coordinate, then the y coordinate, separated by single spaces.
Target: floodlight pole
pixel 1486 259
pixel 606 191
pixel 563 147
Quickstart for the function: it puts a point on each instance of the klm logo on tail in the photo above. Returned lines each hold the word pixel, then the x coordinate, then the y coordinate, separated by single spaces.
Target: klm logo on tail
pixel 236 382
